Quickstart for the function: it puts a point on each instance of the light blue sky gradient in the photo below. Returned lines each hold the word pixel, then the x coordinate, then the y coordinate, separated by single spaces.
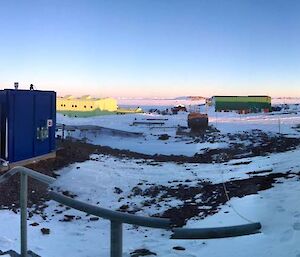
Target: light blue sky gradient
pixel 152 47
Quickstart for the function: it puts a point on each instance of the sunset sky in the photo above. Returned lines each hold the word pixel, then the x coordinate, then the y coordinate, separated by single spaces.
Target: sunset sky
pixel 147 48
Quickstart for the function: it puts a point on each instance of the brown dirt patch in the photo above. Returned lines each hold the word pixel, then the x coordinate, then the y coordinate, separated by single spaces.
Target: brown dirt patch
pixel 197 199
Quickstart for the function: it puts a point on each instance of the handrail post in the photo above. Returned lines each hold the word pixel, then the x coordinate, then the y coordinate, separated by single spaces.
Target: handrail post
pixel 116 239
pixel 23 207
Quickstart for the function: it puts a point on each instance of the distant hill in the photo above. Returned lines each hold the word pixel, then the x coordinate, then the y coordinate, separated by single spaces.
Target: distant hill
pixel 190 98
pixel 286 100
pixel 182 100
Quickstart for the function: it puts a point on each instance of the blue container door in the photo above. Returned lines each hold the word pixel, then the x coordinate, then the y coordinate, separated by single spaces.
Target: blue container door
pixel 44 123
pixel 21 106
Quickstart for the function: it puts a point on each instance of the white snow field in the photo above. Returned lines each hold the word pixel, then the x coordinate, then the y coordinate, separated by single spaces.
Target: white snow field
pixel 280 122
pixel 95 181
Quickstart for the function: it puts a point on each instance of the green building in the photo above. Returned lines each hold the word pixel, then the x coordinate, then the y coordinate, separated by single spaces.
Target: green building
pixel 242 104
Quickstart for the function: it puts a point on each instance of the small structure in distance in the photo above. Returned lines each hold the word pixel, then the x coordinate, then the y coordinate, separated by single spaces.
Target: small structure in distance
pixel 197 121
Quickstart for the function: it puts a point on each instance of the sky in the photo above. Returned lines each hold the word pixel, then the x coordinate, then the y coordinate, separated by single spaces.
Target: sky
pixel 151 48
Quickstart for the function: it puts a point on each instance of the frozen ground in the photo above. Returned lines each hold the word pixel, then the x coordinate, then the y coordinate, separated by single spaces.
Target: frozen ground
pixel 109 182
pixel 94 181
pixel 283 123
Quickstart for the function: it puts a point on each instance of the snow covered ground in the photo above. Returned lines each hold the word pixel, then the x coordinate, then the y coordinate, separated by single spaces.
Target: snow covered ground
pixel 283 122
pixel 94 181
pixel 149 143
pixel 98 180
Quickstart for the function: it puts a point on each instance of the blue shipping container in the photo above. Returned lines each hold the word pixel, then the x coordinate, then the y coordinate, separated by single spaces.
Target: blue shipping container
pixel 27 124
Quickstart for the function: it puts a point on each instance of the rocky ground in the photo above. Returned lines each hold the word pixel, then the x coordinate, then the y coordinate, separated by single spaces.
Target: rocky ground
pixel 68 152
pixel 200 200
pixel 248 144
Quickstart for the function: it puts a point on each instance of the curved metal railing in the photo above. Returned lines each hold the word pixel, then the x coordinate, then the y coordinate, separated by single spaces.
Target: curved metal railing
pixel 111 215
pixel 116 218
pixel 213 233
pixel 31 173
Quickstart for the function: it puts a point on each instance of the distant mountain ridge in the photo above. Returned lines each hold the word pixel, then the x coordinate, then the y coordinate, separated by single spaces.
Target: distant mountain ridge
pixel 190 98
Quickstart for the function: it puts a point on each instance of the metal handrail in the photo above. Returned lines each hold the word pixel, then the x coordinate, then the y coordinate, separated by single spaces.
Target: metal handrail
pixel 116 218
pixel 111 215
pixel 24 173
pixel 213 233
pixel 31 173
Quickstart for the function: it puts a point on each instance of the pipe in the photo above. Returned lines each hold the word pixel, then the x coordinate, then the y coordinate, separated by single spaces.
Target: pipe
pixel 23 207
pixel 219 232
pixel 116 239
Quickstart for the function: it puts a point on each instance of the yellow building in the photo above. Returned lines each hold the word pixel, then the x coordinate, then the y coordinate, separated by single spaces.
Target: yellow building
pixel 85 105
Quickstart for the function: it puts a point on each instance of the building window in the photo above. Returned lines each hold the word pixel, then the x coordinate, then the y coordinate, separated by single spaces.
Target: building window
pixel 72 105
pixel 61 105
pixel 91 107
pixel 84 106
pixel 75 105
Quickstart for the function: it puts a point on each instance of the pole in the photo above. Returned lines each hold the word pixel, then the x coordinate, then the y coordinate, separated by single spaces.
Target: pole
pixel 116 239
pixel 23 206
pixel 63 132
